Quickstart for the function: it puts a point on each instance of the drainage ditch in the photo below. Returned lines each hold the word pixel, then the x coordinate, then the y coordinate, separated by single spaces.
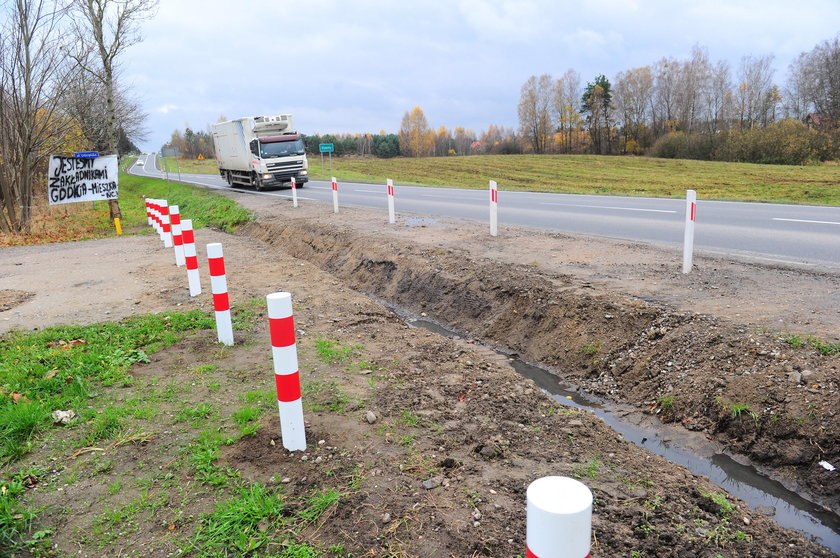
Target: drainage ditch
pixel 787 508
pixel 745 390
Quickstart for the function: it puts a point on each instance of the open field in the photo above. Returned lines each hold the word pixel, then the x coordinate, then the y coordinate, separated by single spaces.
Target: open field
pixel 591 174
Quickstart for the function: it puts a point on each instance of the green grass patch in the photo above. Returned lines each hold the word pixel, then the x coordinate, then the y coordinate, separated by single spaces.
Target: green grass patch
pixel 240 525
pixel 824 348
pixel 332 352
pixel 590 470
pixel 324 396
pixel 203 206
pixel 15 518
pixel 64 367
pixel 247 418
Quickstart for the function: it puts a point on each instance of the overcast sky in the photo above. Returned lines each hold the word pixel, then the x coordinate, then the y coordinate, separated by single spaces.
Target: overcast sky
pixel 359 65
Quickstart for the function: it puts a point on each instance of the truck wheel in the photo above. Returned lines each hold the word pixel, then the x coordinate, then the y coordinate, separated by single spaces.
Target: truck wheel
pixel 256 182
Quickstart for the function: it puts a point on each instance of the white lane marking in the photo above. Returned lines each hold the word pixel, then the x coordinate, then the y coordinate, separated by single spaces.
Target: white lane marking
pixel 806 221
pixel 369 191
pixel 609 207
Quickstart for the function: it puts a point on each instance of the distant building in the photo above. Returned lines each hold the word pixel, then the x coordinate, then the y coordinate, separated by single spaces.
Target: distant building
pixel 821 122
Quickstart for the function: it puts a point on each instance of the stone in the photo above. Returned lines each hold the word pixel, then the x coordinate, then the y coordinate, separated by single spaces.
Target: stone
pixel 370 417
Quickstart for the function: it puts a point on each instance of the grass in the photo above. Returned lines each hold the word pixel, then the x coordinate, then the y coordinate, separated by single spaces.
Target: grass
pixel 594 174
pixel 591 349
pixel 822 347
pixel 332 352
pixel 85 220
pixel 666 402
pixel 63 367
pixel 590 471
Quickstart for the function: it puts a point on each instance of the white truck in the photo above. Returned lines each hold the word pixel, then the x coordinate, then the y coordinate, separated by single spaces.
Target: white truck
pixel 260 151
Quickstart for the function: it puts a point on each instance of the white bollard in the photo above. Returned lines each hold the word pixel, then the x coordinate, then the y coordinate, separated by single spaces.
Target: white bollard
pixel 688 243
pixel 559 520
pixel 218 286
pixel 494 208
pixel 335 195
pixel 391 217
pixel 286 371
pixel 177 238
pixel 294 192
pixel 190 258
pixel 165 227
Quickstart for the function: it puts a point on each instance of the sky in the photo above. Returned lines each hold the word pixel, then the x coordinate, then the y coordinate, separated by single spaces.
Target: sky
pixel 351 66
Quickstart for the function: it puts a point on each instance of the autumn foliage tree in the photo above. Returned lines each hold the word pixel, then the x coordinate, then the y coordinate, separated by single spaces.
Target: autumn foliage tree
pixel 416 138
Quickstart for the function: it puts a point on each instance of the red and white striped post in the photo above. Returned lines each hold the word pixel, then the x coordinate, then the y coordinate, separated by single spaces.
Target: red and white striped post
pixel 190 258
pixel 335 194
pixel 494 208
pixel 281 325
pixel 559 520
pixel 154 205
pixel 218 286
pixel 177 237
pixel 148 209
pixel 164 220
pixel 294 192
pixel 688 242
pixel 391 216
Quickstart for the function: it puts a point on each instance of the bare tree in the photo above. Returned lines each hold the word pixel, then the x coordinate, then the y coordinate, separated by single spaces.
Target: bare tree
pixel 717 112
pixel 664 100
pixel 463 139
pixel 756 97
pixel 814 83
pixel 692 87
pixel 633 93
pixel 32 72
pixel 535 118
pixel 85 103
pixel 104 30
pixel 567 94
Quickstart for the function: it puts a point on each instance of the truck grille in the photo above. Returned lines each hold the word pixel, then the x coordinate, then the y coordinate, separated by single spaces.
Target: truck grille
pixel 289 165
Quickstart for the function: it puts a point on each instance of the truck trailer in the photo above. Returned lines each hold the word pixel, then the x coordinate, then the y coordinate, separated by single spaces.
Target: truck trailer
pixel 260 151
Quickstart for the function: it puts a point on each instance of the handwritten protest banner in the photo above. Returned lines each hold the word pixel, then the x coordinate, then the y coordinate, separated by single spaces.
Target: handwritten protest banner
pixel 73 179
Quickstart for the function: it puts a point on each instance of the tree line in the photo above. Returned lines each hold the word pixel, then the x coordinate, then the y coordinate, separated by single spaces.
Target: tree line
pixel 692 108
pixel 60 91
pixel 415 139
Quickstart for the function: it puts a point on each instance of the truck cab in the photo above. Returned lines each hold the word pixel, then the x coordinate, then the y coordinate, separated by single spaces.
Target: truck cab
pixel 278 159
pixel 260 151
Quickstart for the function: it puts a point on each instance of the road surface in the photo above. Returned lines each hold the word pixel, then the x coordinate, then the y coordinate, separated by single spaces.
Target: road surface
pixel 797 235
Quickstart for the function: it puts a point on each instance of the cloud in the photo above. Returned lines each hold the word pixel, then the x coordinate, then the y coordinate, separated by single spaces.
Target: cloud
pixel 506 21
pixel 166 109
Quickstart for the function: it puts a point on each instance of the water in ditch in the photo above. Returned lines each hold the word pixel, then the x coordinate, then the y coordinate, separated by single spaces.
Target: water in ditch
pixel 786 507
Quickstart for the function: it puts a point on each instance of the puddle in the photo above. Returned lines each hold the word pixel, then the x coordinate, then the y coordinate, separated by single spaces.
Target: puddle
pixel 786 507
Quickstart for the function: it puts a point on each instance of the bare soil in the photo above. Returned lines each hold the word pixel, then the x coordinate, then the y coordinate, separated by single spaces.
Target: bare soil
pixel 614 318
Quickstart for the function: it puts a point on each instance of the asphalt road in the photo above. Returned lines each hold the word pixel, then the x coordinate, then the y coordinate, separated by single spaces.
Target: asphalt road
pixel 798 235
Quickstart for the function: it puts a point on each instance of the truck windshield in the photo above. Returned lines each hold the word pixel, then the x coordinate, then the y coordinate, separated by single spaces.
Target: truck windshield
pixel 281 149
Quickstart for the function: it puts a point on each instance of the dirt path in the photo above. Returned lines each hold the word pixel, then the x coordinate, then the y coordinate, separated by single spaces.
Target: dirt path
pixel 482 433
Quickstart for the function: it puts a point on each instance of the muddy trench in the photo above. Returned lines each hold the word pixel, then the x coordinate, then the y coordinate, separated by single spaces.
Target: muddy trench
pixel 764 401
